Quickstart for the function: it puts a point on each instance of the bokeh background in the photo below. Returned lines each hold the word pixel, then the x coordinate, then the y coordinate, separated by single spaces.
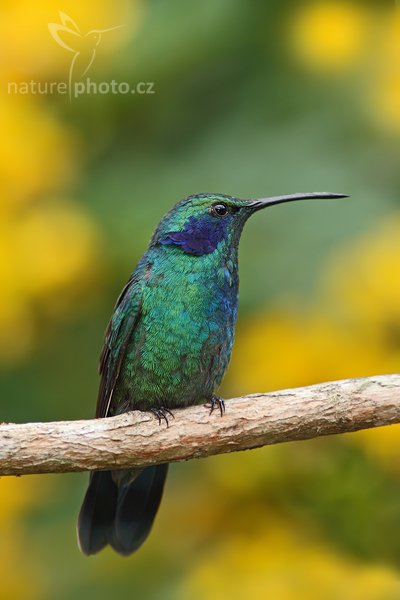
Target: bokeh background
pixel 251 99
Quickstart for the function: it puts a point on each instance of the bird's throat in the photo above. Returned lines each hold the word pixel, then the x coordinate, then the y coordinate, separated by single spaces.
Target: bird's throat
pixel 198 237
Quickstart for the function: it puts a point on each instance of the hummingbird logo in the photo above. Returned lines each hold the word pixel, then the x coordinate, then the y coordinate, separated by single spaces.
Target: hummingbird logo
pixel 83 46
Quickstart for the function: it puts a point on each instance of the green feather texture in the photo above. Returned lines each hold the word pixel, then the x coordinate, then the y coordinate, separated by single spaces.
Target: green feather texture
pixel 167 346
pixel 170 339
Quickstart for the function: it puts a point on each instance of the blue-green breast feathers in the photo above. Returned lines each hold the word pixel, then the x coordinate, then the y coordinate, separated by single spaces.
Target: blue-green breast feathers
pixel 171 335
pixel 170 338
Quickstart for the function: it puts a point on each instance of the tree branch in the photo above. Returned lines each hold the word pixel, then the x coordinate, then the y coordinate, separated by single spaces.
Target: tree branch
pixel 136 438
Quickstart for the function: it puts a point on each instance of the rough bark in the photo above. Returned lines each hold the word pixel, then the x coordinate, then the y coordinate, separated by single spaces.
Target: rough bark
pixel 136 438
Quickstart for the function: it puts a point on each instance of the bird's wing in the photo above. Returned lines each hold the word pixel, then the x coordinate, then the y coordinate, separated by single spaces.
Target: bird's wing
pixel 59 32
pixel 119 331
pixel 68 21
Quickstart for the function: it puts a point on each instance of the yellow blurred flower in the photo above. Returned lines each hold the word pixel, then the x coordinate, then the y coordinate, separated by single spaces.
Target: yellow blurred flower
pixel 48 254
pixel 281 349
pixel 35 152
pixel 283 563
pixel 329 36
pixel 384 80
pixel 335 36
pixel 30 50
pixel 55 247
pixel 385 101
pixel 17 330
pixel 18 495
pixel 48 248
pixel 363 280
pixel 382 444
pixel 21 575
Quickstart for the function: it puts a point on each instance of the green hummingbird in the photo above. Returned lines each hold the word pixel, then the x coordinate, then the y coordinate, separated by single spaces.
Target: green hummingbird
pixel 167 346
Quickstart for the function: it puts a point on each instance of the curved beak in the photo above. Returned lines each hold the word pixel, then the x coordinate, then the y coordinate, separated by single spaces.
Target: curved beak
pixel 264 202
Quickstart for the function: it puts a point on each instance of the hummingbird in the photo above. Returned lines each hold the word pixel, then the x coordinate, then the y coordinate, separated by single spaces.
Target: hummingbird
pixel 167 346
pixel 82 46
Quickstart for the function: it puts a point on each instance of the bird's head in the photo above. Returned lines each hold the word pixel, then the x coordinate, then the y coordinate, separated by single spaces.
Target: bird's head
pixel 95 35
pixel 198 224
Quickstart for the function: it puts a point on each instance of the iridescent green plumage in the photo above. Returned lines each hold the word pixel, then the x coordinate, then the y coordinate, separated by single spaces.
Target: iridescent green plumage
pixel 167 346
pixel 174 322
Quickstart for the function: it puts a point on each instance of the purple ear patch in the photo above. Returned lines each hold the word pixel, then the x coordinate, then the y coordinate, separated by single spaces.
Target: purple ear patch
pixel 200 236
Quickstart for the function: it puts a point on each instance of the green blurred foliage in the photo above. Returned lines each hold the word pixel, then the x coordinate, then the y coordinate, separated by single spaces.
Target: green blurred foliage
pixel 252 99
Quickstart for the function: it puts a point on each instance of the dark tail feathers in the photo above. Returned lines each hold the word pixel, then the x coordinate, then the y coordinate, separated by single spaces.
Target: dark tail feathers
pixel 119 508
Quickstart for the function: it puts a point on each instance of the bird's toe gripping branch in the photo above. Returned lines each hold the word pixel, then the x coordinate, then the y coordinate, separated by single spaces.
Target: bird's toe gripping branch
pixel 216 402
pixel 162 413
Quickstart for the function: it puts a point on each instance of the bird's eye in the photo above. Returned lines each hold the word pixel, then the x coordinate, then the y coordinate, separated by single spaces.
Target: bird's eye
pixel 219 209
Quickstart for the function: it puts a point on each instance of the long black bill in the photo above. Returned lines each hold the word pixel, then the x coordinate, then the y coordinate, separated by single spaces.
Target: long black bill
pixel 264 202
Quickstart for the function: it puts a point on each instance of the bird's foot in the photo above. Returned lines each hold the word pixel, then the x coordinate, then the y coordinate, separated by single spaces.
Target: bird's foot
pixel 214 402
pixel 162 413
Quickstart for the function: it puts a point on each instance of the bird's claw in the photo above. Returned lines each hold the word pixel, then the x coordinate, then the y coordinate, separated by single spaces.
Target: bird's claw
pixel 161 413
pixel 216 401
